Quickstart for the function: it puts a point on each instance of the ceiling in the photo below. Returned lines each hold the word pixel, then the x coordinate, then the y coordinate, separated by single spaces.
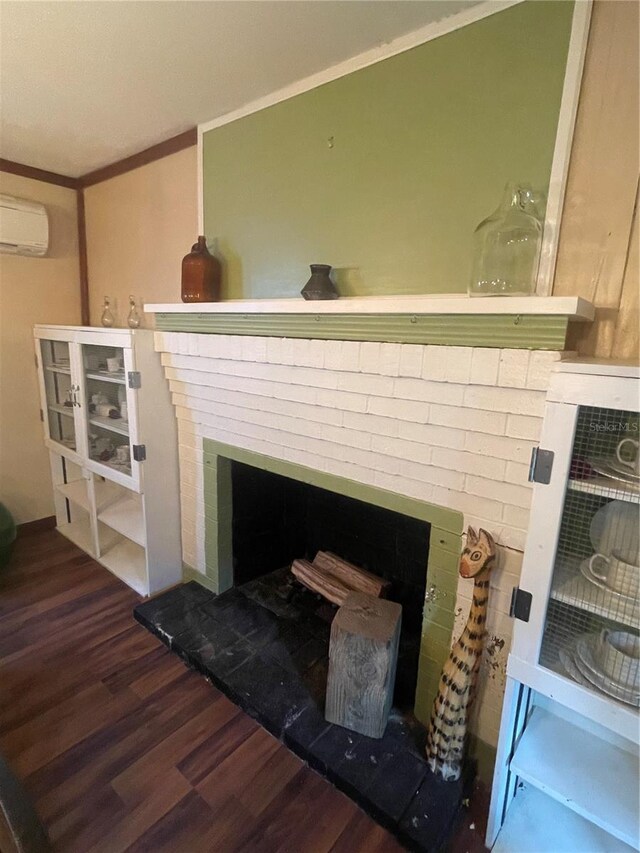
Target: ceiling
pixel 84 84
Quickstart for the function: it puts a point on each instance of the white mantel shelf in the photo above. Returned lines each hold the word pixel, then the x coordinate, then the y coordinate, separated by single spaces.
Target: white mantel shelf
pixel 525 322
pixel 573 307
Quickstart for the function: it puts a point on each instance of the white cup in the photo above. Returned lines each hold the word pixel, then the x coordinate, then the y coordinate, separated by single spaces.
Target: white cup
pixel 618 654
pixel 103 410
pixel 616 573
pixel 123 454
pixel 634 461
pixel 123 410
pixel 113 364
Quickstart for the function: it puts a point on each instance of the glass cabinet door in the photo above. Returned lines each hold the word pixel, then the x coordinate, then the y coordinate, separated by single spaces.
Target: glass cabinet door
pixel 59 392
pixel 591 629
pixel 107 415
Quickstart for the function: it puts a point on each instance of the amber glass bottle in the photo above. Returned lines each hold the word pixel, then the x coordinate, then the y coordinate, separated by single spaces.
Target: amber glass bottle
pixel 201 274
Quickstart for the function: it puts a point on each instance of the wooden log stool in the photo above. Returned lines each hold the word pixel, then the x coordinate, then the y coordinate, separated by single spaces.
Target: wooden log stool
pixel 363 654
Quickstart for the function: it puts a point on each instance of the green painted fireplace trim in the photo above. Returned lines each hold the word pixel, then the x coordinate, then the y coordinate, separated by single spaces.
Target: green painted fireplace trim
pixel 520 331
pixel 191 574
pixel 444 546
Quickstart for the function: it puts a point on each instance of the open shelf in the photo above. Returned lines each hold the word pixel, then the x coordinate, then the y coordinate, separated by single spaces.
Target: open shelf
pixel 105 376
pixel 119 426
pixel 128 562
pixel 77 492
pixel 106 492
pixel 606 488
pixel 79 532
pixel 536 822
pixel 61 410
pixel 127 517
pixel 594 778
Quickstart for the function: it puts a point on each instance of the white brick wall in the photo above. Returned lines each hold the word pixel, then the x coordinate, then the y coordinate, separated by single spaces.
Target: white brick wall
pixel 445 422
pixel 449 425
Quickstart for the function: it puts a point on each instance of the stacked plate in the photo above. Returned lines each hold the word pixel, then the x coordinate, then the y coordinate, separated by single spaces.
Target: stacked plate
pixel 581 659
pixel 615 470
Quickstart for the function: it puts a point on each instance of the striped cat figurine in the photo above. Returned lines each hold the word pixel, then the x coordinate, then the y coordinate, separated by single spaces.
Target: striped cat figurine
pixel 448 726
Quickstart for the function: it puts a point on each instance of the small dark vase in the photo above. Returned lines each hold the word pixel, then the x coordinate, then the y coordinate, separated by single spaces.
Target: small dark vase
pixel 320 285
pixel 201 274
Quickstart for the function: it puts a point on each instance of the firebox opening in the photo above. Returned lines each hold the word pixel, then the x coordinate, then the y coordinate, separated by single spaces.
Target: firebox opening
pixel 277 519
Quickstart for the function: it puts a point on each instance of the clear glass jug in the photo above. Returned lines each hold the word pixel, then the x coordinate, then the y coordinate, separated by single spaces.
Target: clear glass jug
pixel 507 246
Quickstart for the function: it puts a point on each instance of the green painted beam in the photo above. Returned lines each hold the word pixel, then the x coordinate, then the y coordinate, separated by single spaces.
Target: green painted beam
pixel 521 331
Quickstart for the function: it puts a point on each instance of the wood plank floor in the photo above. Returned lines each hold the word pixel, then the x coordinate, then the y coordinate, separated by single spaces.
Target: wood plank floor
pixel 122 748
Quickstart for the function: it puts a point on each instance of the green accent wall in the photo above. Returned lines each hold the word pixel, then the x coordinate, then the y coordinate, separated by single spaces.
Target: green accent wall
pixel 385 173
pixel 517 332
pixel 443 560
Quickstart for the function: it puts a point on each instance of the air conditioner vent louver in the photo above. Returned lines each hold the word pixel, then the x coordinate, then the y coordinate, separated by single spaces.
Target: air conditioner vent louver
pixel 24 227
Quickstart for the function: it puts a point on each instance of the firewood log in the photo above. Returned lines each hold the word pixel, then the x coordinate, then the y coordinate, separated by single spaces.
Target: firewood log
pixel 319 581
pixel 351 576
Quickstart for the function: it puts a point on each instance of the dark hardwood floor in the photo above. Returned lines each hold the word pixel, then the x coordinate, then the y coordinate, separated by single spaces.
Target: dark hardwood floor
pixel 122 748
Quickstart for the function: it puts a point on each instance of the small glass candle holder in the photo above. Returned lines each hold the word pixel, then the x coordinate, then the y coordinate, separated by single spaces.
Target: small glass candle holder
pixel 133 319
pixel 107 319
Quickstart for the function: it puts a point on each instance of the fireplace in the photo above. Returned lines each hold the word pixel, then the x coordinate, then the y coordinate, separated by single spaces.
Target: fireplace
pixel 440 433
pixel 276 519
pixel 417 534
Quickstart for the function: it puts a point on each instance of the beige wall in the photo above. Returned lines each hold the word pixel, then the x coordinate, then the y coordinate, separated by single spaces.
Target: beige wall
pixel 32 290
pixel 139 227
pixel 598 250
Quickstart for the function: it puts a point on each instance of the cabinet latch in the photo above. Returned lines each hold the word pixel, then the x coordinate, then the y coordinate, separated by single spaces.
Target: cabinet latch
pixel 540 466
pixel 520 604
pixel 139 452
pixel 134 379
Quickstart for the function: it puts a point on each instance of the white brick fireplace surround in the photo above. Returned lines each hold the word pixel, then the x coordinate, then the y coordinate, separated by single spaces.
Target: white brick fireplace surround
pixel 453 426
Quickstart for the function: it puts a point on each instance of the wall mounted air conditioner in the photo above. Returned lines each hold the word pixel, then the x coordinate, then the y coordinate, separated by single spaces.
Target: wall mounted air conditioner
pixel 24 227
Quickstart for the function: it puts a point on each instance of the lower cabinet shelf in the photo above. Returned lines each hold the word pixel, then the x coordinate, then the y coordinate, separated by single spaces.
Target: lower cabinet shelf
pixel 584 773
pixel 119 525
pixel 127 517
pixel 127 560
pixel 76 491
pixel 78 531
pixel 535 822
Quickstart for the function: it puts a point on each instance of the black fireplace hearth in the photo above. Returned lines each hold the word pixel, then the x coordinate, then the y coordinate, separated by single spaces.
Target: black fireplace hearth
pixel 265 645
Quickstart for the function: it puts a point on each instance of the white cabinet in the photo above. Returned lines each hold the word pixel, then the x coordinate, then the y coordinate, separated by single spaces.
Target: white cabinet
pixel 110 428
pixel 567 769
